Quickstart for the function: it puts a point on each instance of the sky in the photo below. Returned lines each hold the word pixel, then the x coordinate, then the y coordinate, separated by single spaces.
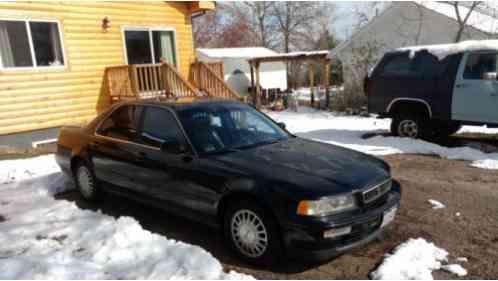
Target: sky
pixel 344 17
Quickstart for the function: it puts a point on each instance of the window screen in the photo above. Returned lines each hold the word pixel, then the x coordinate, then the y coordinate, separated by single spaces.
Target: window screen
pixel 15 42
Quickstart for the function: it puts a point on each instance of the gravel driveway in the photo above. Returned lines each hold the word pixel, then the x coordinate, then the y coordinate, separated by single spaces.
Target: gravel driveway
pixel 467 227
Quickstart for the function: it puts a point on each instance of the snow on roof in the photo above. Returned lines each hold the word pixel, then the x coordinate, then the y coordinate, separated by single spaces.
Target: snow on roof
pixel 248 52
pixel 476 19
pixel 443 50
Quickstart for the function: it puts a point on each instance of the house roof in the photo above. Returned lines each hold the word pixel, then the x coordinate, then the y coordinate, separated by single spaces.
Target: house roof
pixel 247 52
pixel 477 20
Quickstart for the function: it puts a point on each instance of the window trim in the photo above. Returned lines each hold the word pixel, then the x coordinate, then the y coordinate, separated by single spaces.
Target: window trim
pixel 32 48
pixel 149 30
pixel 140 123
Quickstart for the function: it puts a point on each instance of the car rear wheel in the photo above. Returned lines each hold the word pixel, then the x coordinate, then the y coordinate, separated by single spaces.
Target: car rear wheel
pixel 408 126
pixel 85 181
pixel 252 233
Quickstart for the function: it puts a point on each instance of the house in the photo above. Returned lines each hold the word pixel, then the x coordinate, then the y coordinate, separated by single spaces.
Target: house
pixel 404 24
pixel 237 72
pixel 64 62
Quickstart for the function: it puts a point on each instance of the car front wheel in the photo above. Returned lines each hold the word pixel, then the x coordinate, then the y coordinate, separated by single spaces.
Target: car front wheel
pixel 252 233
pixel 86 181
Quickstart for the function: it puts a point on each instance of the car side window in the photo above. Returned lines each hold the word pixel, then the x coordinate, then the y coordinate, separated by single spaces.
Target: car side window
pixel 160 126
pixel 479 63
pixel 122 124
pixel 399 65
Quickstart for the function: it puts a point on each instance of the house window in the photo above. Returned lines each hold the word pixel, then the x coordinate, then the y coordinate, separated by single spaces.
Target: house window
pixel 30 44
pixel 150 46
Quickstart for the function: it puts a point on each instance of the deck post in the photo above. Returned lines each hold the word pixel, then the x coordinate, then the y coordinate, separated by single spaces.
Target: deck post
pixel 253 90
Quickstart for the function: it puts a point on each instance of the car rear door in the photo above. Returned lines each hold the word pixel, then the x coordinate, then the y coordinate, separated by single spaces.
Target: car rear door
pixel 112 149
pixel 475 98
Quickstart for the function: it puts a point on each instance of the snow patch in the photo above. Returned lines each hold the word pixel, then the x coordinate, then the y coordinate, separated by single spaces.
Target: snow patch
pixel 441 51
pixel 44 238
pixel 455 269
pixel 348 131
pixel 436 204
pixel 414 260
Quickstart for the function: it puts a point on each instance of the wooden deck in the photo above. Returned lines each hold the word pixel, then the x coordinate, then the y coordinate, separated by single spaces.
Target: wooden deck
pixel 140 81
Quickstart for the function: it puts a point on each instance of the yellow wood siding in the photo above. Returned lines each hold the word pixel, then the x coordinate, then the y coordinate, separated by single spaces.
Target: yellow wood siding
pixel 42 98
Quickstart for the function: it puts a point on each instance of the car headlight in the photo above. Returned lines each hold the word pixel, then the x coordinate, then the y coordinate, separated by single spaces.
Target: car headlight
pixel 326 205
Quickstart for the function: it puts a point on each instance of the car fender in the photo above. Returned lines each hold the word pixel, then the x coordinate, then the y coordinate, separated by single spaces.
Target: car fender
pixel 417 100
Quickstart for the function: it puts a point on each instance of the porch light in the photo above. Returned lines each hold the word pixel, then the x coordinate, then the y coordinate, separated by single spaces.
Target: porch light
pixel 106 24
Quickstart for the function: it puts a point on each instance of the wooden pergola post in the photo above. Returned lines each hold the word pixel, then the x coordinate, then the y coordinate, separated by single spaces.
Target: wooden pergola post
pixel 258 87
pixel 312 82
pixel 326 82
pixel 253 90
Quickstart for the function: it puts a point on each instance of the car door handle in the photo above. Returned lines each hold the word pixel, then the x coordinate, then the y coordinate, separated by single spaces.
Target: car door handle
pixel 141 156
pixel 463 85
pixel 95 144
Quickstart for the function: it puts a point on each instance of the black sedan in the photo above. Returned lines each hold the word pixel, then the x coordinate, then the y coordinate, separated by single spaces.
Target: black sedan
pixel 228 165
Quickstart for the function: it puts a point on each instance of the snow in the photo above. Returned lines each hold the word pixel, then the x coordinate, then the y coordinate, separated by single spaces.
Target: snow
pixel 436 204
pixel 441 51
pixel 44 238
pixel 415 260
pixel 455 269
pixel 248 52
pixel 462 259
pixel 348 131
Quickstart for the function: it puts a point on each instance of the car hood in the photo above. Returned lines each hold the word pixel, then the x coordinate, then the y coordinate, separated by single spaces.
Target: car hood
pixel 310 165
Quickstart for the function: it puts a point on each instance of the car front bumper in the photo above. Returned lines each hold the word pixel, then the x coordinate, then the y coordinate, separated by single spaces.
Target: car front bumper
pixel 305 238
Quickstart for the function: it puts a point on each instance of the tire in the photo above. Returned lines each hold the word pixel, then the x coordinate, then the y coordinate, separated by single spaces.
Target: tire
pixel 409 126
pixel 85 181
pixel 238 228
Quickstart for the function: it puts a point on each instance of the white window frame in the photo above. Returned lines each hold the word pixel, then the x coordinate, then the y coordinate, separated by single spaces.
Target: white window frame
pixel 150 29
pixel 32 48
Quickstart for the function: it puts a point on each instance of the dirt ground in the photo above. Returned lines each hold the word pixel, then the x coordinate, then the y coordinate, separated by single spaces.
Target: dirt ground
pixel 471 192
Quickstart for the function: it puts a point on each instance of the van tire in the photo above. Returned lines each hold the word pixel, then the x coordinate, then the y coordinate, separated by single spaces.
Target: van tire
pixel 409 126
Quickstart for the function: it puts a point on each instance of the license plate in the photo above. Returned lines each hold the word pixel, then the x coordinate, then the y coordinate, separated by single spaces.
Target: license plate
pixel 389 216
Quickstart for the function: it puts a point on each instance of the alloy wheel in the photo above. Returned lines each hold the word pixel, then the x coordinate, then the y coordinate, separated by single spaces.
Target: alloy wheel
pixel 85 182
pixel 249 233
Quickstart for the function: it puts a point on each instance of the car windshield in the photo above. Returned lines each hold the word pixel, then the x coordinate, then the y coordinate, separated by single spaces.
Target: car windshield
pixel 229 127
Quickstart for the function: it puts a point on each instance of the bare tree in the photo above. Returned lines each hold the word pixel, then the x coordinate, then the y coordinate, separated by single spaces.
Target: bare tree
pixel 261 20
pixel 462 19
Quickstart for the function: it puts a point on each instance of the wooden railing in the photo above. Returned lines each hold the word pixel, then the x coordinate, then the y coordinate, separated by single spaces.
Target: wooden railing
pixel 175 84
pixel 147 81
pixel 119 85
pixel 208 81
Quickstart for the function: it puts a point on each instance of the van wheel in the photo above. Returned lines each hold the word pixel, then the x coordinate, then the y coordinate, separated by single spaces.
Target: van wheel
pixel 408 126
pixel 85 181
pixel 252 233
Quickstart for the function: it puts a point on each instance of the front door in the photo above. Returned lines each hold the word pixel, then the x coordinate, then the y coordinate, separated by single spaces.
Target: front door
pixel 145 45
pixel 474 98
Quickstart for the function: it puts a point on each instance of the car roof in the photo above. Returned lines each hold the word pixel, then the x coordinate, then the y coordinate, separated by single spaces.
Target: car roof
pixel 179 106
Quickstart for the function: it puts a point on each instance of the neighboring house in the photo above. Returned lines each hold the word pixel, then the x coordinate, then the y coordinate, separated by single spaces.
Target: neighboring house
pixel 405 24
pixel 236 70
pixel 54 56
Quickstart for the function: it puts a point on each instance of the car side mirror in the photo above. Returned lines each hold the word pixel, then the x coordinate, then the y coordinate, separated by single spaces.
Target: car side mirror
pixel 173 146
pixel 281 125
pixel 490 76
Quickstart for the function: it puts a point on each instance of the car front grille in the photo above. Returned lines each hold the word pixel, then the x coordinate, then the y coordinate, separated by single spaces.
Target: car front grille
pixel 371 194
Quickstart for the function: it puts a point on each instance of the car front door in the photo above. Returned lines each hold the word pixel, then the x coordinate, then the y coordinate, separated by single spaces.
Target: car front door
pixel 169 170
pixel 474 97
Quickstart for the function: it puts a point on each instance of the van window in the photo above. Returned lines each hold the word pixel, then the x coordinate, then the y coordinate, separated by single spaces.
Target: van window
pixel 478 64
pixel 399 65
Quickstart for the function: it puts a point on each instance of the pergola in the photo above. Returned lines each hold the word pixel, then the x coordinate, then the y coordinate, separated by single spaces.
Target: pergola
pixel 313 57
